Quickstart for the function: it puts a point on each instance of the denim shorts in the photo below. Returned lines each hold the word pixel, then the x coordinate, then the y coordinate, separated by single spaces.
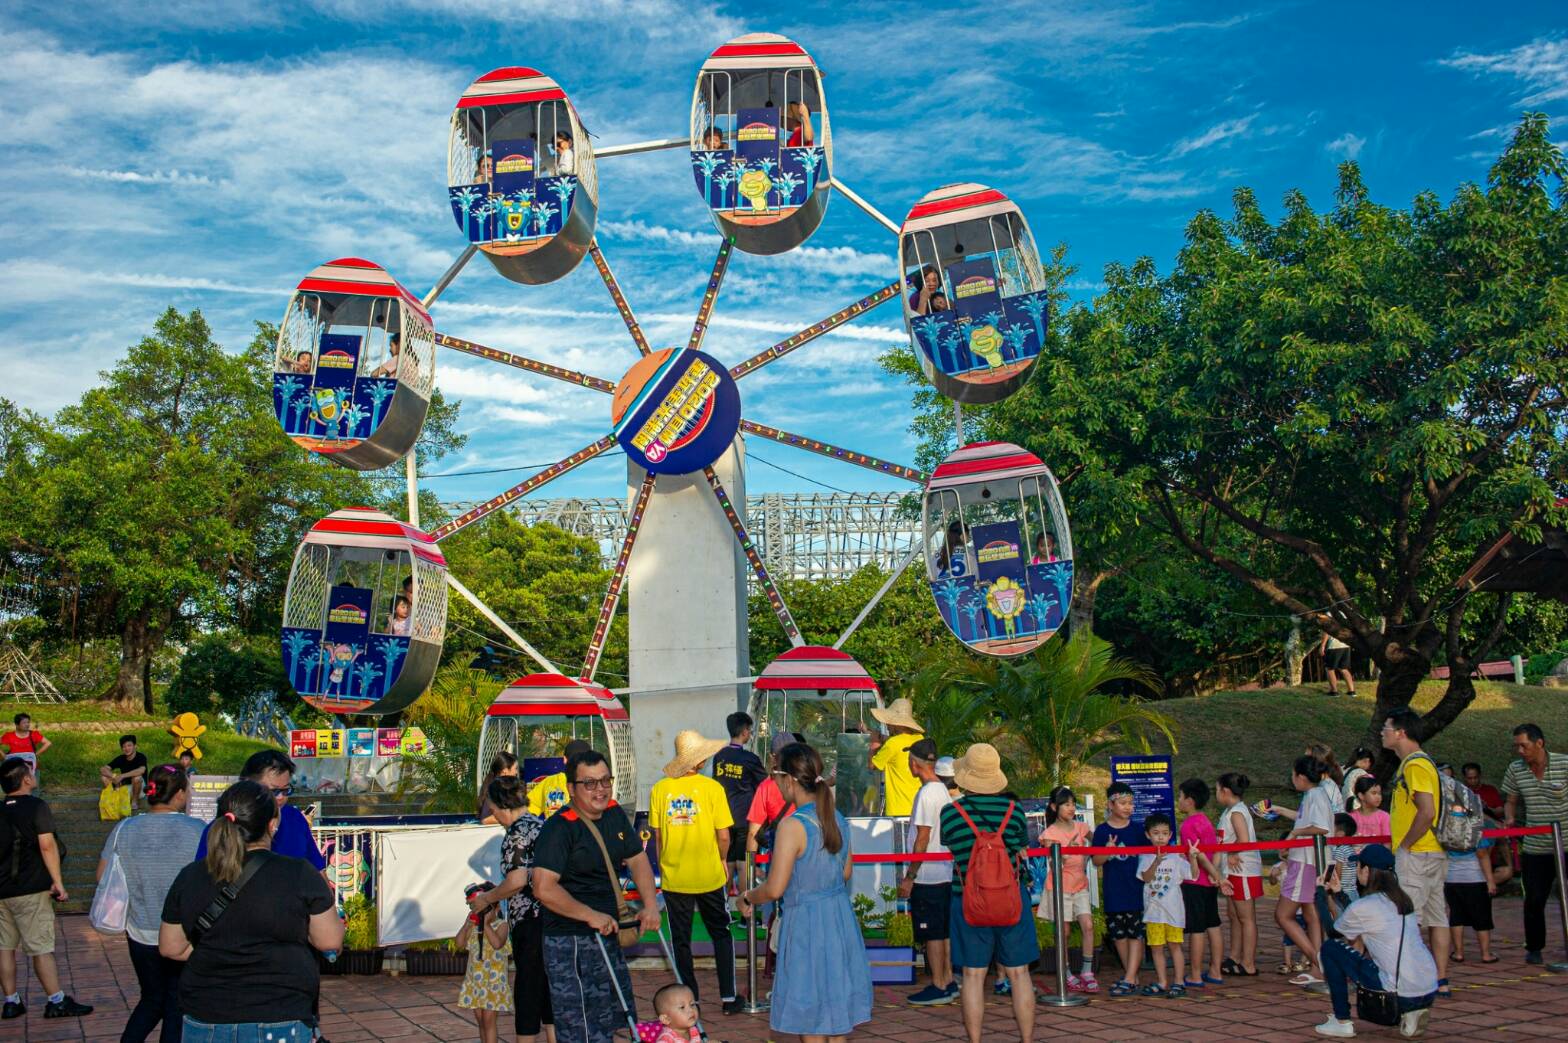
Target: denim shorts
pixel 249 1032
pixel 1014 946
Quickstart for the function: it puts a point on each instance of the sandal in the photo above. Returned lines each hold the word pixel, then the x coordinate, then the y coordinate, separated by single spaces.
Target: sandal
pixel 1151 989
pixel 1176 992
pixel 1190 984
pixel 1123 988
pixel 1443 990
pixel 1210 979
pixel 1304 978
pixel 1490 959
pixel 1455 957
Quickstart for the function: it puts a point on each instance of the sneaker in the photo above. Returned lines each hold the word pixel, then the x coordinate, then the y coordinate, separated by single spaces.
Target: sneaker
pixel 735 1006
pixel 930 996
pixel 1003 988
pixel 13 1010
pixel 952 990
pixel 1334 1027
pixel 1533 957
pixel 1413 1022
pixel 66 1008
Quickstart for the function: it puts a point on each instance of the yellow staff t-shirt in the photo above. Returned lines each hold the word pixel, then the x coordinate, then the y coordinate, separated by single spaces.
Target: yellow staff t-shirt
pixel 1420 776
pixel 893 761
pixel 549 795
pixel 688 812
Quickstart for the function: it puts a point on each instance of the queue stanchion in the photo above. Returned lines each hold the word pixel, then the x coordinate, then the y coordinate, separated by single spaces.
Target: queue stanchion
pixel 754 1004
pixel 1062 998
pixel 1562 892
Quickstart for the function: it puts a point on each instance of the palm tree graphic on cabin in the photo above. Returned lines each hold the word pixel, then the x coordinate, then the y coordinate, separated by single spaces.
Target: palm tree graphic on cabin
pixel 284 388
pixel 811 159
pixel 953 341
pixel 562 191
pixel 379 392
pixel 975 605
pixel 1017 336
pixel 1034 306
pixel 709 163
pixel 465 198
pixel 785 184
pixel 1060 575
pixel 1040 603
pixel 367 674
pixel 929 329
pixel 295 644
pixel 950 592
pixel 349 419
pixel 725 178
pixel 543 212
pixel 391 652
pixel 297 409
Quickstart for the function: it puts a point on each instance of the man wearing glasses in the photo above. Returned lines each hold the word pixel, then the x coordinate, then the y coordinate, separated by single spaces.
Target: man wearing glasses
pixel 574 883
pixel 272 769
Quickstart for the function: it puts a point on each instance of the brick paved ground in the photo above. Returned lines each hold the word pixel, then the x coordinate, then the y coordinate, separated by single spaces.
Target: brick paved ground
pixel 1507 1000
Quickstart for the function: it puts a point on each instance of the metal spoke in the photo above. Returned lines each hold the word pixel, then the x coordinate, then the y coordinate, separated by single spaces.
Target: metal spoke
pixel 834 452
pixel 485 610
pixel 612 596
pixel 549 474
pixel 571 376
pixel 780 609
pixel 721 265
pixel 618 297
pixel 877 598
pixel 451 273
pixel 811 333
pixel 634 147
pixel 876 215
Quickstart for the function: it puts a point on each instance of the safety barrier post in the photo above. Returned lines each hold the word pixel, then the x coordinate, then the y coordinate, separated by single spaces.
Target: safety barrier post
pixel 1063 998
pixel 754 1005
pixel 1562 891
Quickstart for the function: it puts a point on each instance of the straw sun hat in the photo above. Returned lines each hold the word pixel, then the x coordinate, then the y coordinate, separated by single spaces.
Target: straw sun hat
pixel 900 714
pixel 691 749
pixel 979 770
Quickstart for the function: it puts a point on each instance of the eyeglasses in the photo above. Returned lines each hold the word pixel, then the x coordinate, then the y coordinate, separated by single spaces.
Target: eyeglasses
pixel 598 784
pixel 282 792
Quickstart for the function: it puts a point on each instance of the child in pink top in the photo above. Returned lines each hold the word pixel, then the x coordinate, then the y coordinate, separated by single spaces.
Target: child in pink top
pixel 1064 828
pixel 677 1010
pixel 1371 819
pixel 1201 895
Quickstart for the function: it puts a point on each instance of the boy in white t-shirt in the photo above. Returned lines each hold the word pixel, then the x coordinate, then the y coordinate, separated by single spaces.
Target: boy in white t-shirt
pixel 1164 913
pixel 929 885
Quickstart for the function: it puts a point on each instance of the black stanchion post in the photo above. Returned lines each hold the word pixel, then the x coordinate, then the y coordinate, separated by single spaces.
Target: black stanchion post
pixel 1562 892
pixel 754 1004
pixel 1063 998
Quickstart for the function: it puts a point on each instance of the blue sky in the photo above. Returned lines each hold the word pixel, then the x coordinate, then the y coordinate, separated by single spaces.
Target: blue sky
pixel 209 154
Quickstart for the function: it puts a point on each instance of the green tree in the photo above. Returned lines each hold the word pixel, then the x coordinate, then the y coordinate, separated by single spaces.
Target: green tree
pixel 166 499
pixel 451 715
pixel 220 672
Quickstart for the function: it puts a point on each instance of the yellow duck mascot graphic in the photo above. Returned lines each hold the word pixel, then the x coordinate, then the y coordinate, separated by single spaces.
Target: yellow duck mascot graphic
pixel 186 729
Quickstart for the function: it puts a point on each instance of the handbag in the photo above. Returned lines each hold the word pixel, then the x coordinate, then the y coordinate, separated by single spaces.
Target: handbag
pixel 1381 1006
pixel 114 803
pixel 623 913
pixel 112 901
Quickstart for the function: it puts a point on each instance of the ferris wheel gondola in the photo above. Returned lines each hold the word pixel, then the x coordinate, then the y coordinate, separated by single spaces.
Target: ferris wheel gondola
pixel 534 714
pixel 364 614
pixel 975 300
pixel 355 363
pixel 814 690
pixel 520 175
pixel 761 144
pixel 1002 565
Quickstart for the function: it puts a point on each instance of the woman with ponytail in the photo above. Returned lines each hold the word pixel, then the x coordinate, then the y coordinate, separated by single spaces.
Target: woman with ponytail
pixel 822 986
pixel 152 848
pixel 249 968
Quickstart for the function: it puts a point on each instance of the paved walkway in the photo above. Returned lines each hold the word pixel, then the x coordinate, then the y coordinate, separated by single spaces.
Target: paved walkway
pixel 1505 1001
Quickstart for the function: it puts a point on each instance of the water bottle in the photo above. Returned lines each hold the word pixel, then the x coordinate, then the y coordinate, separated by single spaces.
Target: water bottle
pixel 331 956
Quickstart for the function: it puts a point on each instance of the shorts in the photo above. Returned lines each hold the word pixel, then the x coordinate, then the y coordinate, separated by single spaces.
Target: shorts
pixel 1300 882
pixel 1246 888
pixel 1074 905
pixel 1421 876
pixel 1124 926
pixel 1468 906
pixel 930 906
pixel 1336 659
pixel 27 923
pixel 1202 905
pixel 1014 946
pixel 1164 934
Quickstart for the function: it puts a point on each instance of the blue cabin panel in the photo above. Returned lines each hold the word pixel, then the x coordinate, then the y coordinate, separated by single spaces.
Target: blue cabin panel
pixel 799 169
pixel 553 203
pixel 1003 606
pixel 473 210
pixel 372 395
pixel 716 173
pixel 757 135
pixel 1025 320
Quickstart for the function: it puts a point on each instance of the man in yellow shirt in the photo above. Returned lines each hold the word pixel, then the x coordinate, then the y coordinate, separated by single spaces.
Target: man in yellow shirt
pixel 549 794
pixel 891 757
pixel 689 813
pixel 1420 862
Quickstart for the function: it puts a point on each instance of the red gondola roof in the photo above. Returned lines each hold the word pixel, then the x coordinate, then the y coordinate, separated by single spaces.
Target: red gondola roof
pixel 986 462
pixel 953 203
pixel 355 275
pixel 512 85
pixel 556 695
pixel 366 527
pixel 815 667
pixel 759 51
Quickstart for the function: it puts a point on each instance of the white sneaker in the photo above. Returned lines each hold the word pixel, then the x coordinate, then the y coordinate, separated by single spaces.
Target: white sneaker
pixel 1334 1027
pixel 1412 1023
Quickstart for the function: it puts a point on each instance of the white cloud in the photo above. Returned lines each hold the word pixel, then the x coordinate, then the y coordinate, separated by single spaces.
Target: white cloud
pixel 155 177
pixel 1347 145
pixel 1540 65
pixel 1220 132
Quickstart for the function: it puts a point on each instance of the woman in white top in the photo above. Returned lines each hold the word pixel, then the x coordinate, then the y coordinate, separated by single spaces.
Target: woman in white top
pixel 1242 881
pixel 1361 762
pixel 1397 959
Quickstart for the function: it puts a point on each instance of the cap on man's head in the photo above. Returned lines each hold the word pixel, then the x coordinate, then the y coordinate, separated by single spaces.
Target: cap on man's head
pixel 924 750
pixel 944 767
pixel 781 740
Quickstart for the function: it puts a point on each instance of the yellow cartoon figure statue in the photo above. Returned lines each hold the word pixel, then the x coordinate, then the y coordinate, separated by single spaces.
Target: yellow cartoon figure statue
pixel 753 187
pixel 986 342
pixel 186 729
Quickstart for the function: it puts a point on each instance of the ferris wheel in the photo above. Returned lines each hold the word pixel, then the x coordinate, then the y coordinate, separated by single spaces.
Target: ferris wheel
pixel 365 608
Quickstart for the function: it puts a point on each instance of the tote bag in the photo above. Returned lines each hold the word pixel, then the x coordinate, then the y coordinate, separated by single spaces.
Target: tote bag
pixel 112 900
pixel 114 803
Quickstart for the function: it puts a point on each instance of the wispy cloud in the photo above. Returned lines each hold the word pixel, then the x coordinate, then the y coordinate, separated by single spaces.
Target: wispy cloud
pixel 1220 132
pixel 1347 145
pixel 154 177
pixel 1540 65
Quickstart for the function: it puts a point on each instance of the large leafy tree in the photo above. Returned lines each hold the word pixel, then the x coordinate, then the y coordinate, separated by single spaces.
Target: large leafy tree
pixel 166 499
pixel 1340 411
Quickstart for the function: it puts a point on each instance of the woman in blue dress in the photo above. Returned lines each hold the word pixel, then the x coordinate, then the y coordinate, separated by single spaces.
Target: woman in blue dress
pixel 822 987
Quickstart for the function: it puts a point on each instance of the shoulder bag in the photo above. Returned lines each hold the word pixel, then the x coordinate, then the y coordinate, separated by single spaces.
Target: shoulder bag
pixel 623 913
pixel 1381 1006
pixel 226 895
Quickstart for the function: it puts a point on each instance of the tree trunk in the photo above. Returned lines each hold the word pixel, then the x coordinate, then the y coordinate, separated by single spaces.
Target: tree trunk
pixel 1401 674
pixel 131 688
pixel 1080 614
pixel 1295 655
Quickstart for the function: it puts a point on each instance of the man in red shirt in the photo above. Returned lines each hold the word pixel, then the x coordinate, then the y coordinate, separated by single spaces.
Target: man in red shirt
pixel 24 741
pixel 768 808
pixel 1491 796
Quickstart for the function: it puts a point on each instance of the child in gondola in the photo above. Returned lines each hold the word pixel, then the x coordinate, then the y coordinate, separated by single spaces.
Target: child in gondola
pixel 397 623
pixel 487 990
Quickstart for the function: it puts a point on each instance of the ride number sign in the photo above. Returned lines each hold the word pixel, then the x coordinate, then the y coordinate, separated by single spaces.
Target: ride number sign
pixel 677 411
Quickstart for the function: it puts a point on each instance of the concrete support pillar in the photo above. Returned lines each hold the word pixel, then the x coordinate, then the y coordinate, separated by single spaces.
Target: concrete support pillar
pixel 686 591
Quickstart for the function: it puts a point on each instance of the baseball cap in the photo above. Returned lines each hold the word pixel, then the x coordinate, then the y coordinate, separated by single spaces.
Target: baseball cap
pixel 944 767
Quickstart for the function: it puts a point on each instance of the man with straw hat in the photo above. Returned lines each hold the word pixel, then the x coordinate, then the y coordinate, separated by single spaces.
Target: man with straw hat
pixel 690 816
pixel 891 756
pixel 982 809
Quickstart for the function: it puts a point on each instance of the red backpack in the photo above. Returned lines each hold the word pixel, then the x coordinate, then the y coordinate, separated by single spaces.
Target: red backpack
pixel 991 896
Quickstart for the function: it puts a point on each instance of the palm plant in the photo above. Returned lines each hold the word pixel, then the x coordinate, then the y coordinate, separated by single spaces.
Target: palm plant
pixel 1048 713
pixel 451 715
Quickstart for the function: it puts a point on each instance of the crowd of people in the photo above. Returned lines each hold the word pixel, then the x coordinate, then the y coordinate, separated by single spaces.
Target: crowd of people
pixel 1382 908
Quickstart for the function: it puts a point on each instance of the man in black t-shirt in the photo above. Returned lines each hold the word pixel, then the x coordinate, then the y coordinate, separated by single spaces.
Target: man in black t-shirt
pixel 29 880
pixel 128 769
pixel 740 772
pixel 579 895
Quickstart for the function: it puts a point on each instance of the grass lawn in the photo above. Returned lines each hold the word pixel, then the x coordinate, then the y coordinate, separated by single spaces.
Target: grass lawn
pixel 77 710
pixel 1261 733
